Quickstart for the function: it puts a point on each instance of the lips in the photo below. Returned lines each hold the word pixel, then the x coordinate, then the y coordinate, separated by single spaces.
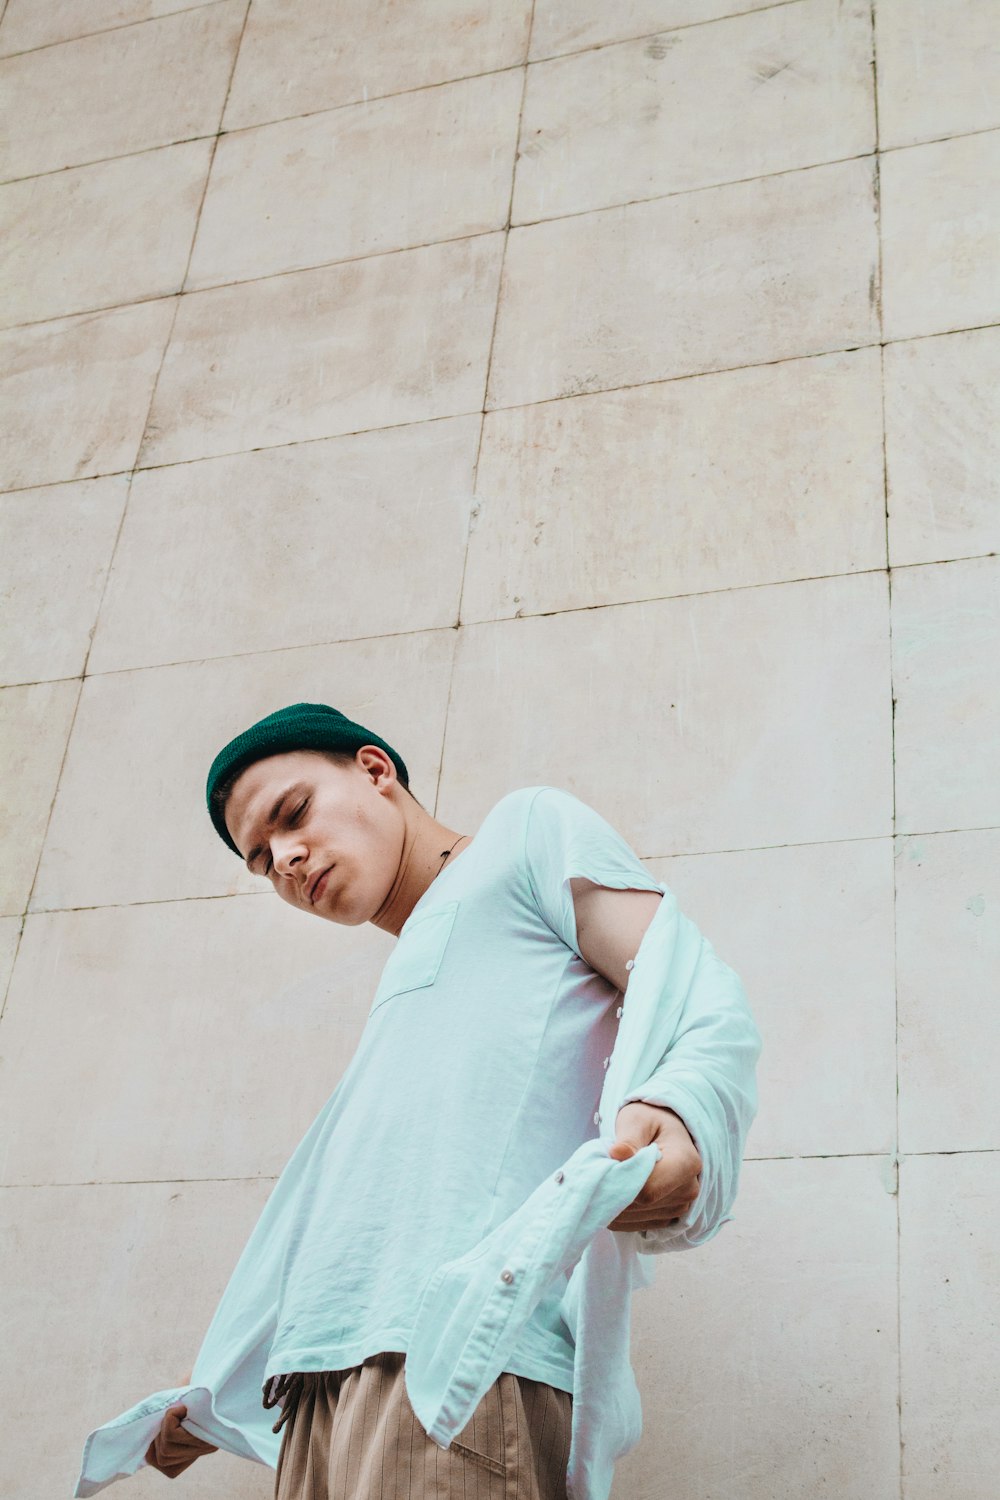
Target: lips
pixel 317 886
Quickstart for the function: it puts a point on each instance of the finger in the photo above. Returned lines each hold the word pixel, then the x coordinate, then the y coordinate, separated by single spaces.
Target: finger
pixel 184 1444
pixel 197 1445
pixel 637 1123
pixel 174 1435
pixel 621 1150
pixel 640 1221
pixel 651 1219
pixel 644 1228
pixel 173 1469
pixel 665 1186
pixel 173 1447
pixel 673 1207
pixel 173 1459
pixel 172 1419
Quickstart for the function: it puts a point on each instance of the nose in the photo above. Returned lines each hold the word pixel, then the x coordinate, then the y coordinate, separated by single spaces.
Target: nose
pixel 287 855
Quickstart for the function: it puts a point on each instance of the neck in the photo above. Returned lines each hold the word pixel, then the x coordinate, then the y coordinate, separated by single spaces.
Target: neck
pixel 425 841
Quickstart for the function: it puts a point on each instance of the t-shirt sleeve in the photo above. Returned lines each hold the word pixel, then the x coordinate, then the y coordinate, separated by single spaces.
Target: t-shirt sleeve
pixel 565 838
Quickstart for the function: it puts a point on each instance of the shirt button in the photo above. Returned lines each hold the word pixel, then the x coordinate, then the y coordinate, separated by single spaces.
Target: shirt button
pixel 507 1276
pixel 618 1012
pixel 597 1118
pixel 606 1061
pixel 630 964
pixel 560 1176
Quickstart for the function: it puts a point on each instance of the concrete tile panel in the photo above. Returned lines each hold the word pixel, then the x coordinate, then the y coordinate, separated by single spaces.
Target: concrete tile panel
pixel 136 1270
pixel 741 477
pixel 118 91
pixel 747 718
pixel 152 735
pixel 949 1310
pixel 371 343
pixel 942 437
pixel 100 236
pixel 938 66
pixel 941 236
pixel 26 24
pixel 299 193
pixel 948 947
pixel 291 546
pixel 767 1359
pixel 56 543
pixel 34 727
pixel 571 25
pixel 146 1042
pixel 303 55
pixel 737 275
pixel 790 87
pixel 809 931
pixel 74 393
pixel 946 675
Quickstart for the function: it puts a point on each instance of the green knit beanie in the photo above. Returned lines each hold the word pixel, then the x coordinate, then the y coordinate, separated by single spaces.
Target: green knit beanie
pixel 301 726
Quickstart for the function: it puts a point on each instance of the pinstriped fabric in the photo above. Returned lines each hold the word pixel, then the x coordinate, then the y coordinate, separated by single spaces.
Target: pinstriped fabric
pixel 353 1435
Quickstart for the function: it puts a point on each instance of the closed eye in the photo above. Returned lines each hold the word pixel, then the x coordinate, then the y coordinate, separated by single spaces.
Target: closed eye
pixel 293 819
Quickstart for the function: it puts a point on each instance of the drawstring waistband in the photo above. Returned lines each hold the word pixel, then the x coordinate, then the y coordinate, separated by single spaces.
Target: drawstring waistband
pixel 289 1386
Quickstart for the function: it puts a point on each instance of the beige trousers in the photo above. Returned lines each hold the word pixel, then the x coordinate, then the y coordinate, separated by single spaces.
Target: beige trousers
pixel 353 1435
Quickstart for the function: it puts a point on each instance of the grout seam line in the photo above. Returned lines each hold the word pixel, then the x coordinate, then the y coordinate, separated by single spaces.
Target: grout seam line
pixel 816 843
pixel 896 1155
pixel 268 1177
pixel 500 620
pixel 474 508
pixel 111 556
pixel 67 41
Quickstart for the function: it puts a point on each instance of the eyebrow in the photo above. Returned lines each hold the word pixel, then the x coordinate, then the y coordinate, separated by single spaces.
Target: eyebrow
pixel 271 818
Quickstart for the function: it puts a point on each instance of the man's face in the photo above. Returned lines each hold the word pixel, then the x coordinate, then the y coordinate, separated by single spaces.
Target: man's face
pixel 334 818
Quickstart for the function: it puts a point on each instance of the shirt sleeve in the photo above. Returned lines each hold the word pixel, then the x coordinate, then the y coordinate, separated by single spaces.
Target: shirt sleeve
pixel 564 839
pixel 708 1078
pixel 706 1073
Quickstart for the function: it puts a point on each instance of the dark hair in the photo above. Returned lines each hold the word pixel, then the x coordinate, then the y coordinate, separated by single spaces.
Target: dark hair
pixel 220 795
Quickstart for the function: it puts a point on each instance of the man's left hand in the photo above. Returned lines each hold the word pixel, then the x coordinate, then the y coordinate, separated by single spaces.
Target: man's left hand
pixel 675 1180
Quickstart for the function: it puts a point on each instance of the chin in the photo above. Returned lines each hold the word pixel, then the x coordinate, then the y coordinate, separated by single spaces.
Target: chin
pixel 343 918
pixel 319 910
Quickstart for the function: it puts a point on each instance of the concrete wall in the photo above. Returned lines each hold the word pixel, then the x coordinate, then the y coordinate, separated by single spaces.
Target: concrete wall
pixel 596 394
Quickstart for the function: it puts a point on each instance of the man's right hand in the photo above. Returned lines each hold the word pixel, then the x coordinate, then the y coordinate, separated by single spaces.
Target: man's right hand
pixel 174 1449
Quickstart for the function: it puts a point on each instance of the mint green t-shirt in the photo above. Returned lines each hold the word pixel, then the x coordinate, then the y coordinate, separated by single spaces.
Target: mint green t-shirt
pixel 479 1071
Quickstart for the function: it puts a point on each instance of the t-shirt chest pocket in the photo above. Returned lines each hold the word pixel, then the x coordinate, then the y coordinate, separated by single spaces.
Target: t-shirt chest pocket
pixel 414 962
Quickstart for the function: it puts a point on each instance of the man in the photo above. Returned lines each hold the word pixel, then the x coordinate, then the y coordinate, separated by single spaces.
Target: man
pixel 475 1076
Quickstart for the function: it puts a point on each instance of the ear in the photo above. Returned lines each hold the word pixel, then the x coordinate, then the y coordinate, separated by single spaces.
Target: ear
pixel 378 765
